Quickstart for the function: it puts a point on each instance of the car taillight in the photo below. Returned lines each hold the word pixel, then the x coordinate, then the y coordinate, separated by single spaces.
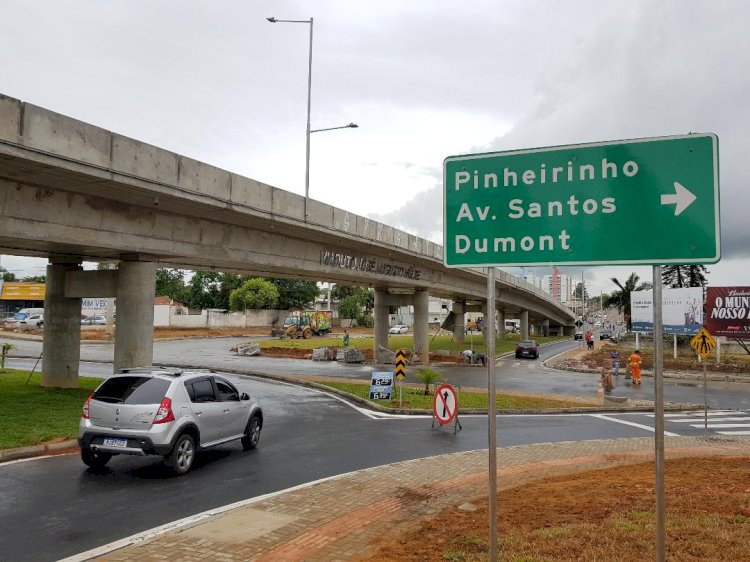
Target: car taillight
pixel 85 413
pixel 164 413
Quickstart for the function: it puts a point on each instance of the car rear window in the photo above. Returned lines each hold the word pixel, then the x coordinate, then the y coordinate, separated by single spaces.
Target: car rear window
pixel 132 390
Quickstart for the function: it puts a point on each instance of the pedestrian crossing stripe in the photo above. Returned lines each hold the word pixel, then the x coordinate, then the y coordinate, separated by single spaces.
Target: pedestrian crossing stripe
pixel 711 420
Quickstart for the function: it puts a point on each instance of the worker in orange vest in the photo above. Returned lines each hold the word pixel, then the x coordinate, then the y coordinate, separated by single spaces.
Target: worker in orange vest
pixel 635 366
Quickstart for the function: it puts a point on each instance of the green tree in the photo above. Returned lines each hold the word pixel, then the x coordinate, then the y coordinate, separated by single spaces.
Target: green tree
pixel 203 290
pixel 365 295
pixel 679 276
pixel 171 283
pixel 296 293
pixel 7 275
pixel 340 291
pixel 35 279
pixel 228 282
pixel 254 293
pixel 621 298
pixel 350 307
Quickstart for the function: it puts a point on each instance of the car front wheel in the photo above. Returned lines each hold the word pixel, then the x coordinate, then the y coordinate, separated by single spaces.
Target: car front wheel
pixel 95 459
pixel 180 460
pixel 252 434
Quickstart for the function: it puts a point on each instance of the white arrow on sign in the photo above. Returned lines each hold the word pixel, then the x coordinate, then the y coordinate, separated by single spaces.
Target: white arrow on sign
pixel 681 198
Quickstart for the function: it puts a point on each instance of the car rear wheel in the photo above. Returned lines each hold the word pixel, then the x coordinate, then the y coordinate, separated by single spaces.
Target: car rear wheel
pixel 252 434
pixel 180 460
pixel 95 459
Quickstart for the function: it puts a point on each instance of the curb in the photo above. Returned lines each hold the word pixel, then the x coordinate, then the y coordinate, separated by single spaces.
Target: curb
pixel 36 450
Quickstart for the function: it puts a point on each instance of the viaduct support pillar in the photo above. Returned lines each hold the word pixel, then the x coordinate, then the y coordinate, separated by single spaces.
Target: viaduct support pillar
pixel 134 331
pixel 421 327
pixel 381 321
pixel 61 347
pixel 501 324
pixel 524 324
pixel 545 327
pixel 460 316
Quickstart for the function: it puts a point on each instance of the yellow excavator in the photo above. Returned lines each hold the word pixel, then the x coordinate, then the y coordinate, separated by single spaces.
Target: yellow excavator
pixel 305 324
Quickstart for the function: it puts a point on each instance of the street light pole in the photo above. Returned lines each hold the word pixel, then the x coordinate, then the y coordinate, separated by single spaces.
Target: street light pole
pixel 307 139
pixel 308 130
pixel 349 126
pixel 309 103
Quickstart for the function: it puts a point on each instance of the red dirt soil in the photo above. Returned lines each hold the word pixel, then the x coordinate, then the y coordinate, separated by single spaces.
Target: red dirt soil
pixel 596 515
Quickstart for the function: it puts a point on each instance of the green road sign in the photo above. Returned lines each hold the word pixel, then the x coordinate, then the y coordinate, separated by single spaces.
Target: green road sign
pixel 644 201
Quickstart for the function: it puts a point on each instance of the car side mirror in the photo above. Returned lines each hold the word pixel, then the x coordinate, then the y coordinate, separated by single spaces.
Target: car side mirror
pixel 244 396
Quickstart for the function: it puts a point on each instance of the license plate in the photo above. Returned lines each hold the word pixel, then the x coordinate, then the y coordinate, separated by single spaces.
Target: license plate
pixel 115 442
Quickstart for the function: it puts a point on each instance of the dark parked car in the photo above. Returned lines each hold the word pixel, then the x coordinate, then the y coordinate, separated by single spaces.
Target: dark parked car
pixel 527 348
pixel 605 335
pixel 578 336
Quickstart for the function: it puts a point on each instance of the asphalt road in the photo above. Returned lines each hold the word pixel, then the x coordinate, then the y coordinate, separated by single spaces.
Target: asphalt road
pixel 55 507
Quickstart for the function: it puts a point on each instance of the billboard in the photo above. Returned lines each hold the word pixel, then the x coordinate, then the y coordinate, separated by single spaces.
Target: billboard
pixel 22 291
pixel 728 312
pixel 682 310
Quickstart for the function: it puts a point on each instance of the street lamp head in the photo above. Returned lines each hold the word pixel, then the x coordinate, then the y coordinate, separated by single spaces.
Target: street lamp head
pixel 272 19
pixel 353 126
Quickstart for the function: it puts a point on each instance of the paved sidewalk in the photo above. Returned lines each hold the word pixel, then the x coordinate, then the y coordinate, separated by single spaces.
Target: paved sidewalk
pixel 339 518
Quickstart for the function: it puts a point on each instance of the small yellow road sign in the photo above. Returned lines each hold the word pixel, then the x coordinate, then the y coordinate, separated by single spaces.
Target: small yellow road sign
pixel 703 343
pixel 400 365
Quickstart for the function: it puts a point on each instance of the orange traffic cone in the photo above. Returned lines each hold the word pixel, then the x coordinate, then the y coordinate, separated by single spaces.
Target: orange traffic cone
pixel 600 392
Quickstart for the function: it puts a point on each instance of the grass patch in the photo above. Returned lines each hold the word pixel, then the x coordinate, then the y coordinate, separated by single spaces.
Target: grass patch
pixel 415 399
pixel 475 342
pixel 31 414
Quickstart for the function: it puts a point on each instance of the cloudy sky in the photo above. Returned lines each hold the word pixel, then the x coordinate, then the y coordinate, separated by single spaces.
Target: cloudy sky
pixel 423 79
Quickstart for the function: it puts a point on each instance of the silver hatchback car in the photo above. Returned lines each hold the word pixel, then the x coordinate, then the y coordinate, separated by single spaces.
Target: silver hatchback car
pixel 171 413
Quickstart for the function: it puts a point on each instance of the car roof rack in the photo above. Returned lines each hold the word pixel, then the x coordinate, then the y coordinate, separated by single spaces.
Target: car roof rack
pixel 152 369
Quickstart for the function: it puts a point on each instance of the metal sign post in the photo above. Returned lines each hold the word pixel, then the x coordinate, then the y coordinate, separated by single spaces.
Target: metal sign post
pixel 703 344
pixel 491 433
pixel 400 375
pixel 659 417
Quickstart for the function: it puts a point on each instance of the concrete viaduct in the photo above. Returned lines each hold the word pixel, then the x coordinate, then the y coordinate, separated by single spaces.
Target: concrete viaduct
pixel 71 191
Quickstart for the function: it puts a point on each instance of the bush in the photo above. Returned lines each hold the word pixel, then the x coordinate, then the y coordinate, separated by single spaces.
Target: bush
pixel 427 377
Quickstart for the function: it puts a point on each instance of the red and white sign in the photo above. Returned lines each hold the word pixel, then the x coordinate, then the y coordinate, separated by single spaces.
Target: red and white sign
pixel 445 406
pixel 728 312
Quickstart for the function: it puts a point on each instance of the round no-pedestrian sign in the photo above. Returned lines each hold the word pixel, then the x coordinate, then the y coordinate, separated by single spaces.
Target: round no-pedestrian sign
pixel 445 406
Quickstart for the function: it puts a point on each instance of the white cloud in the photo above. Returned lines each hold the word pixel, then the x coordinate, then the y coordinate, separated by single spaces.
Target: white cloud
pixel 424 80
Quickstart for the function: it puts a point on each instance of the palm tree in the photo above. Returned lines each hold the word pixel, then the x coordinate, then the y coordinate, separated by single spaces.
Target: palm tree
pixel 4 349
pixel 621 298
pixel 428 377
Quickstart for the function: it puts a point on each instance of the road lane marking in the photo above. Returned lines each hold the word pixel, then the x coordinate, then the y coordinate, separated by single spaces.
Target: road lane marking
pixel 700 413
pixel 633 424
pixel 722 425
pixel 693 419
